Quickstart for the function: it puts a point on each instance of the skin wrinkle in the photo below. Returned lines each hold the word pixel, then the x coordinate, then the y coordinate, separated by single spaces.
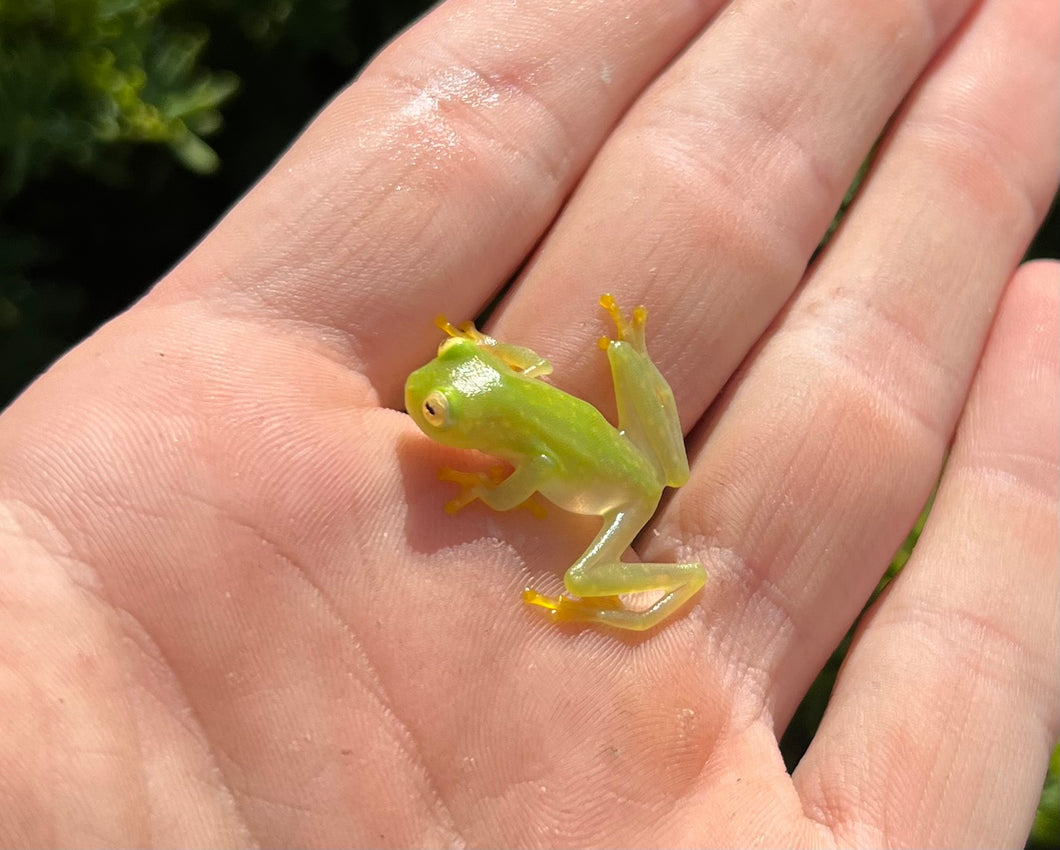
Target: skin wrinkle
pixel 139 765
pixel 46 742
pixel 722 171
pixel 971 630
pixel 982 648
pixel 409 746
pixel 573 808
pixel 108 608
pixel 575 826
pixel 373 685
pixel 48 783
pixel 342 239
pixel 133 631
pixel 839 817
pixel 891 402
pixel 942 767
pixel 920 21
pixel 479 813
pixel 972 170
pixel 149 650
pixel 977 137
pixel 520 86
pixel 797 627
pixel 111 614
pixel 333 346
pixel 438 121
pixel 59 548
pixel 844 808
pixel 678 160
pixel 753 589
pixel 995 475
pixel 789 154
pixel 973 138
pixel 490 171
pixel 778 120
pixel 842 313
pixel 782 120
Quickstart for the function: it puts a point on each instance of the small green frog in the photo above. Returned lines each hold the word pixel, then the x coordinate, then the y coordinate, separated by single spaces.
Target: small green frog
pixel 482 394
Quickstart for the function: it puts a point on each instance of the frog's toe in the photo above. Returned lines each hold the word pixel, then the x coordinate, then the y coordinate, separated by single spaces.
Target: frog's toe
pixel 454 505
pixel 569 610
pixel 467 481
pixel 532 597
pixel 535 508
pixel 629 330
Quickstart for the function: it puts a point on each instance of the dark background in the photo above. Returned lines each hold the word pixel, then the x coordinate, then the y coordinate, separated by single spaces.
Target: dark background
pixel 80 240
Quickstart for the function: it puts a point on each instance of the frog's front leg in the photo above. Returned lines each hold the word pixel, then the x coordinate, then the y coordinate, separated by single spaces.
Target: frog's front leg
pixel 499 492
pixel 599 576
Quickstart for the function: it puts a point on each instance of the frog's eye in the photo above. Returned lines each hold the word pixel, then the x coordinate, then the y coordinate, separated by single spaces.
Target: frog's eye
pixel 436 409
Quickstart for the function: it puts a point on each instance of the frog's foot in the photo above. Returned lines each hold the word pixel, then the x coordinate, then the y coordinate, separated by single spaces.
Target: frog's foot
pixel 473 483
pixel 469 483
pixel 629 330
pixel 519 359
pixel 467 330
pixel 535 507
pixel 566 609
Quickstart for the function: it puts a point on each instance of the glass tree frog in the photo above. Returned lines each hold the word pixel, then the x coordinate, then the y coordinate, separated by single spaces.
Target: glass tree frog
pixel 478 393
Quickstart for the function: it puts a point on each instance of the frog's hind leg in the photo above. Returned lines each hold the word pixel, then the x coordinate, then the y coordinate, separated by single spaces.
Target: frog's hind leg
pixel 599 577
pixel 599 588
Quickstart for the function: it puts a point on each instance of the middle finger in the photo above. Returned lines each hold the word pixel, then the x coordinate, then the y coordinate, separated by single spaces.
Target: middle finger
pixel 709 199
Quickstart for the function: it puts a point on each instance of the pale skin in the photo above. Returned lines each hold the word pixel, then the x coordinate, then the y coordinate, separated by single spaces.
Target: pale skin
pixel 233 611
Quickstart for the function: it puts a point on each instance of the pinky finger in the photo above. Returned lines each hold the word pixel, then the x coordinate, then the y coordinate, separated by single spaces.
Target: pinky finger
pixel 943 718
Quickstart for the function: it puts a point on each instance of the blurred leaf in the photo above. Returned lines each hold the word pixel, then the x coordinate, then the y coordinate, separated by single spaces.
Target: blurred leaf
pixel 1046 829
pixel 80 79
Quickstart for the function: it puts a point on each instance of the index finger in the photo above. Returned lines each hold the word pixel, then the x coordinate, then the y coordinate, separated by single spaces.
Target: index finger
pixel 427 181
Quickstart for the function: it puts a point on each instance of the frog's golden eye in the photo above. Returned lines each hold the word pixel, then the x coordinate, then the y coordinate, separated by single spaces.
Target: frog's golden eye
pixel 436 409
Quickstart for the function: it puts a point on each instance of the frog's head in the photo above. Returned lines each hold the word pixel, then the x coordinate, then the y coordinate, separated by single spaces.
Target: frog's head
pixel 447 397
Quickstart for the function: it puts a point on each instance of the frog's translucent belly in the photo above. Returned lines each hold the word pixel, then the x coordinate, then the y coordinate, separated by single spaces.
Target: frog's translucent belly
pixel 596 503
pixel 598 483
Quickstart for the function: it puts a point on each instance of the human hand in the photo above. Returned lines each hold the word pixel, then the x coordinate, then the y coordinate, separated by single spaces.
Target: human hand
pixel 234 611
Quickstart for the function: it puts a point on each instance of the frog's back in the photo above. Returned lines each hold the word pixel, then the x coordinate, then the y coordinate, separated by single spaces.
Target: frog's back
pixel 596 467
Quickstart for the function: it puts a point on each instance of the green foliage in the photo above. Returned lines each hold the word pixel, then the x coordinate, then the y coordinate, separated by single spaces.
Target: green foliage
pixel 1046 829
pixel 34 316
pixel 104 105
pixel 79 75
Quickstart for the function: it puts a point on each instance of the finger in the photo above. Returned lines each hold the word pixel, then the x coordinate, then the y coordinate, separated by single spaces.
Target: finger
pixel 427 181
pixel 831 440
pixel 710 197
pixel 943 718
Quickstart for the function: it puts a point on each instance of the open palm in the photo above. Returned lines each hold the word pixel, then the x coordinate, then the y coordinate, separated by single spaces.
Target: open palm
pixel 235 613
